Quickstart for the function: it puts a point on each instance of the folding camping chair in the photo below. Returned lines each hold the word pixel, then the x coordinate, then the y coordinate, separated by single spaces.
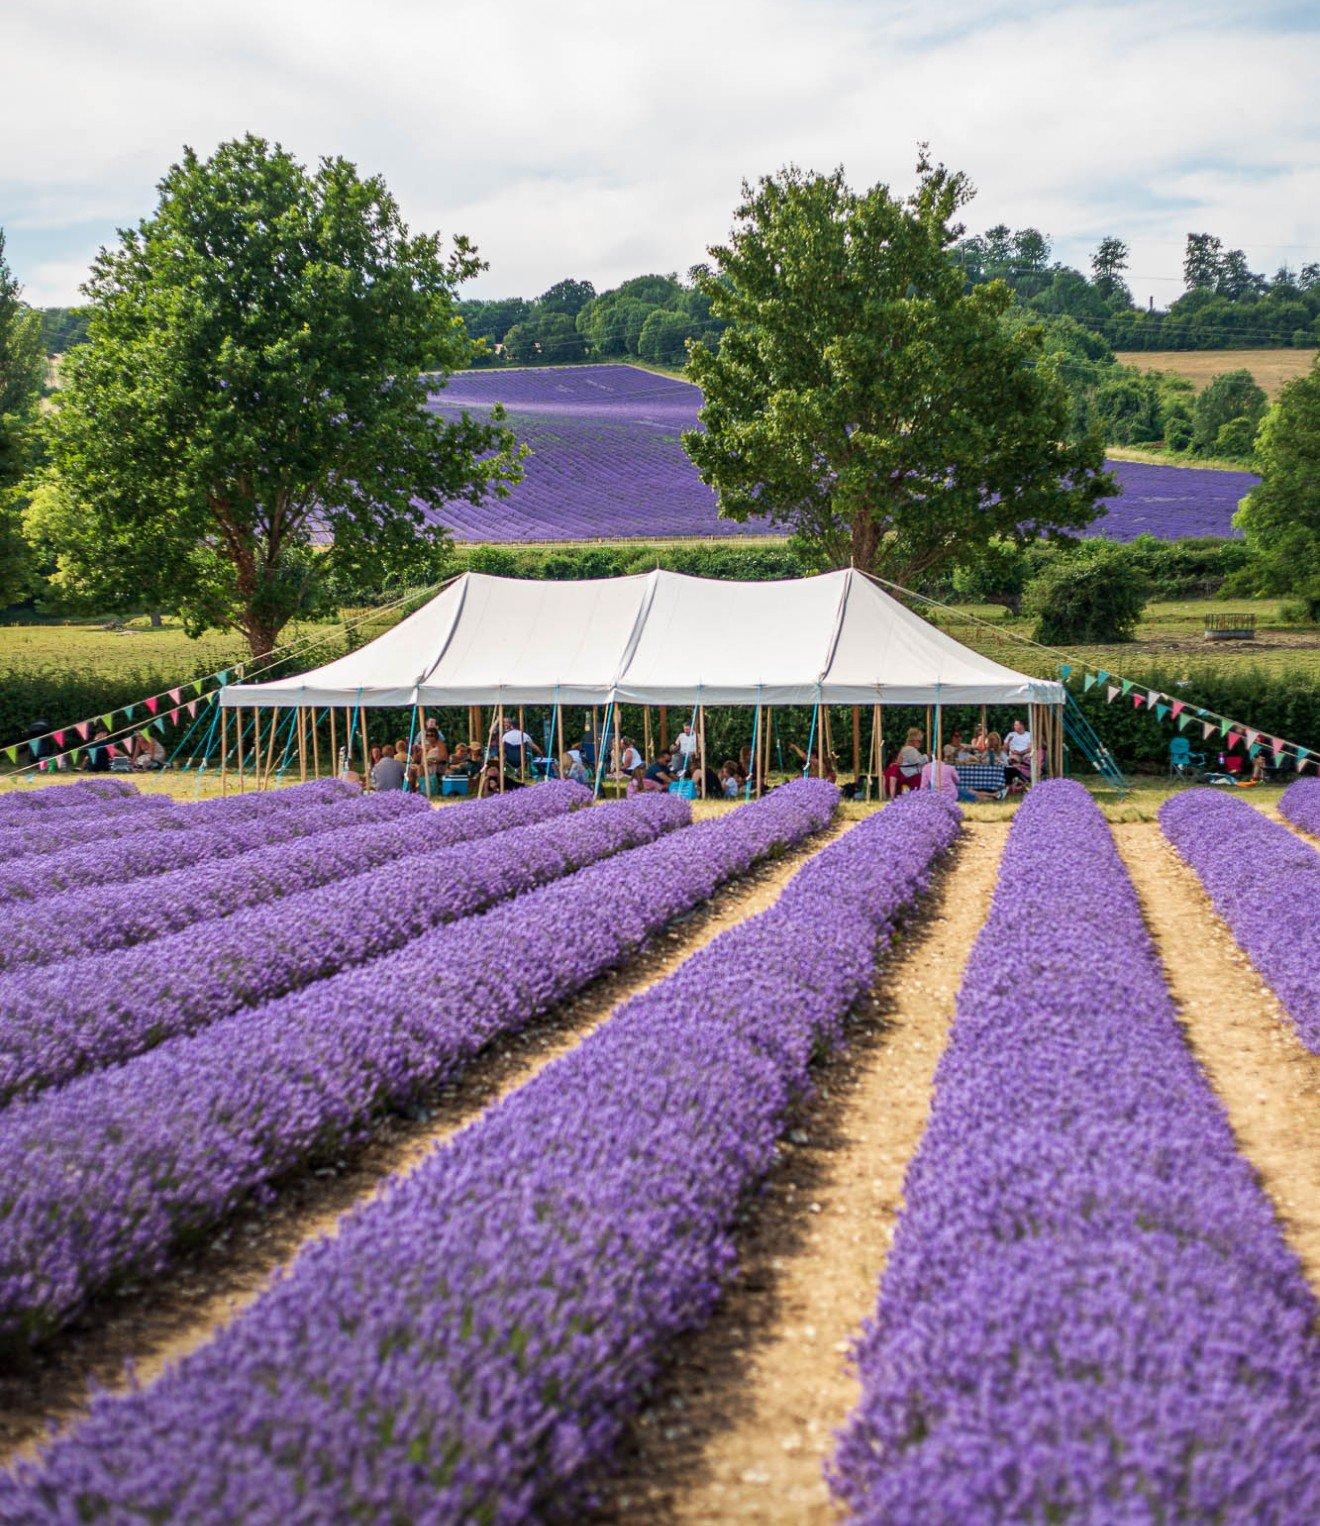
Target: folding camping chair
pixel 1183 762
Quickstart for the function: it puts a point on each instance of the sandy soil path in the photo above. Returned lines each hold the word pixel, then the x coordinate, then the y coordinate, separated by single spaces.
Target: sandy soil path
pixel 156 1323
pixel 1267 1080
pixel 743 1424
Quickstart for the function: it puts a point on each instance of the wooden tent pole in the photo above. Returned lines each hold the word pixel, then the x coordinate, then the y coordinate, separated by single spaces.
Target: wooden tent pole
pixel 701 747
pixel 334 745
pixel 242 783
pixel 316 745
pixel 270 754
pixel 1033 722
pixel 646 733
pixel 302 745
pixel 499 743
pixel 224 755
pixel 366 748
pixel 559 719
pixel 664 728
pixel 857 743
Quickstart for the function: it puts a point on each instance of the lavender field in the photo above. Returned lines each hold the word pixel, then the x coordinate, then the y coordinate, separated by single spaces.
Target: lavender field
pixel 607 463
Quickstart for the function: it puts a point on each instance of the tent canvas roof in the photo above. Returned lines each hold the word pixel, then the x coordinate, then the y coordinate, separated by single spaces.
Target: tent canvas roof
pixel 658 638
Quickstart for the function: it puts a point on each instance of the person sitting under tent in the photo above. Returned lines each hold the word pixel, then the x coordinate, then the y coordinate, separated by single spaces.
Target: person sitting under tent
pixel 812 766
pixel 684 750
pixel 942 776
pixel 639 784
pixel 587 747
pixel 435 739
pixel 904 773
pixel 387 772
pixel 631 759
pixel 732 781
pixel 461 762
pixel 147 752
pixel 1020 746
pixel 661 771
pixel 491 782
pixel 572 767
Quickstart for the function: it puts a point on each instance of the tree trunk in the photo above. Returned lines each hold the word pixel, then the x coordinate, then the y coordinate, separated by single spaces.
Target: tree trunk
pixel 155 620
pixel 864 542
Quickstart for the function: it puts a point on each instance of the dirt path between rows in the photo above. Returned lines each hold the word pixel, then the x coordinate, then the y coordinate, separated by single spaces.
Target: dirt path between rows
pixel 744 1421
pixel 1267 1080
pixel 160 1322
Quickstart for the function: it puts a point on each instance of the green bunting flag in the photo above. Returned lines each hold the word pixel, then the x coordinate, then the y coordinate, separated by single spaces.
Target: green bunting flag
pixel 12 754
pixel 197 685
pixel 1184 720
pixel 1091 680
pixel 1126 684
pixel 1225 726
pixel 75 755
pixel 108 721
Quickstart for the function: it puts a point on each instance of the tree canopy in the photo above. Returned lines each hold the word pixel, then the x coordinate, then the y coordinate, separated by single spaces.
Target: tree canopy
pixel 868 398
pixel 1281 517
pixel 248 416
pixel 22 377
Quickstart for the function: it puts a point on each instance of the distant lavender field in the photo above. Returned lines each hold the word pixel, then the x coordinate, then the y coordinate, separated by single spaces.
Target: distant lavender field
pixel 608 463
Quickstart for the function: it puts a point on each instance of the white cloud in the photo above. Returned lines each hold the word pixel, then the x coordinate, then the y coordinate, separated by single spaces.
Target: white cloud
pixel 606 138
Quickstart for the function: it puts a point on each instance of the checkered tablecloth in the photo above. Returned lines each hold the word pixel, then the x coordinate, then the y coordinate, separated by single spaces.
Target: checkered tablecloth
pixel 988 777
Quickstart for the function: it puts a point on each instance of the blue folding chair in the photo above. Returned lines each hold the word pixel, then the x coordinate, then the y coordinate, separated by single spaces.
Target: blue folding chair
pixel 1183 762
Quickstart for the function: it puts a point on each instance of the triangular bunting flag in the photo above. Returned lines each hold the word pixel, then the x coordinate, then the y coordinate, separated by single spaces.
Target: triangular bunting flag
pixel 197 685
pixel 59 738
pixel 1138 700
pixel 1277 744
pixel 12 754
pixel 75 755
pixel 108 721
pixel 1127 685
pixel 1225 726
pixel 1112 692
pixel 1090 681
pixel 1064 672
pixel 1208 729
pixel 83 728
pixel 1254 749
pixel 1234 737
pixel 223 678
pixel 1252 737
pixel 93 753
pixel 153 704
pixel 176 695
pixel 1161 711
pixel 173 716
pixel 1178 706
pixel 1101 676
pixel 192 707
pixel 112 748
pixel 1184 721
pixel 1302 754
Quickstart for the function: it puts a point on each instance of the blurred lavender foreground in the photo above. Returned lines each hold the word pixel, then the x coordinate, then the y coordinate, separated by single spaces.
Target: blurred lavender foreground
pixel 1089 1312
pixel 468 1345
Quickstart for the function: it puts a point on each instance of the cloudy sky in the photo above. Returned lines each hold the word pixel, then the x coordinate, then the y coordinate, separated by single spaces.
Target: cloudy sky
pixel 604 139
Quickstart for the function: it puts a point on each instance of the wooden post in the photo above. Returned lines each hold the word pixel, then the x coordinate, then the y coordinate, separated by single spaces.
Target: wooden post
pixel 857 743
pixel 256 747
pixel 316 746
pixel 334 746
pixel 366 747
pixel 701 748
pixel 224 755
pixel 664 728
pixel 1032 723
pixel 559 718
pixel 929 733
pixel 241 782
pixel 875 769
pixel 646 733
pixel 616 751
pixel 270 753
pixel 302 745
pixel 499 743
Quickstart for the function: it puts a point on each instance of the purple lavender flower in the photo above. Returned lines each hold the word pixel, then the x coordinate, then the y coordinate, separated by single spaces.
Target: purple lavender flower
pixel 361 837
pixel 218 829
pixel 468 1345
pixel 55 830
pixel 1089 1312
pixel 607 462
pixel 1301 805
pixel 17 807
pixel 1265 883
pixel 86 1014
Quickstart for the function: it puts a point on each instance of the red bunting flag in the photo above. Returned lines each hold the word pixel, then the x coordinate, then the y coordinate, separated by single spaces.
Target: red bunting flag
pixel 1177 707
pixel 153 704
pixel 59 738
pixel 1138 700
pixel 173 716
pixel 1234 737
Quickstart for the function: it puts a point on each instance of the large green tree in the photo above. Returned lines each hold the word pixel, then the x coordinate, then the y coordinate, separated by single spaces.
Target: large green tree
pixel 249 414
pixel 1281 518
pixel 22 376
pixel 866 398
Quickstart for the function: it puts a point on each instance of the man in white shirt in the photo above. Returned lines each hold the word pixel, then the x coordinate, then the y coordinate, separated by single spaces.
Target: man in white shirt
pixel 685 748
pixel 517 745
pixel 1020 749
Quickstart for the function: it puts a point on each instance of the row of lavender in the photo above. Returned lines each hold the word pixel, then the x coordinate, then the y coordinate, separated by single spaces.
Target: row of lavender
pixel 468 1346
pixel 29 805
pixel 360 834
pixel 104 1175
pixel 99 1010
pixel 1265 882
pixel 1089 1312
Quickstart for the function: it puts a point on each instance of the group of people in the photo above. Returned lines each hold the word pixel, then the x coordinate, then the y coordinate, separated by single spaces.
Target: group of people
pixel 424 765
pixel 1010 755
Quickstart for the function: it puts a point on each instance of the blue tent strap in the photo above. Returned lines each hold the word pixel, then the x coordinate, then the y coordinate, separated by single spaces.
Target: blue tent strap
pixel 811 739
pixel 1082 734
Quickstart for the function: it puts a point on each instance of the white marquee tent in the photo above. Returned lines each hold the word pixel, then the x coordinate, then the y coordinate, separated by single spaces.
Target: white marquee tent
pixel 657 639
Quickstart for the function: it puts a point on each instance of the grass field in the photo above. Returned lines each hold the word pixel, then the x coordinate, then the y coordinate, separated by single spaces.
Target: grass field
pixel 1271 368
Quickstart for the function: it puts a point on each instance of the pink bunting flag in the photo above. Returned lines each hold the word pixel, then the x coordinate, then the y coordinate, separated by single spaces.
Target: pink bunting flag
pixel 59 738
pixel 1234 737
pixel 1177 707
pixel 1112 692
pixel 1252 737
pixel 1277 744
pixel 192 707
pixel 83 728
pixel 1138 700
pixel 153 704
pixel 112 748
pixel 173 716
pixel 176 695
